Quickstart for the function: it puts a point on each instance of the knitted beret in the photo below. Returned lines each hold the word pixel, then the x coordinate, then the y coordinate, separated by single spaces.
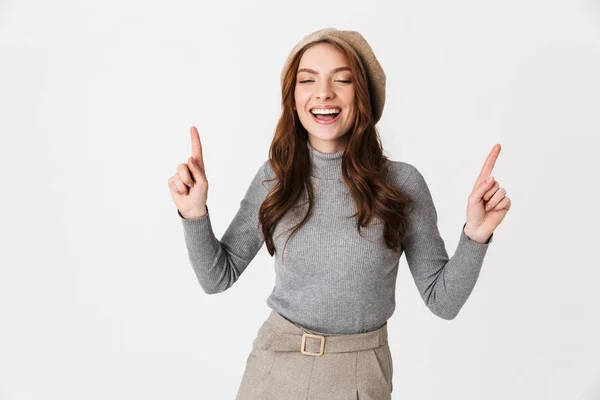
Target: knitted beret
pixel 356 44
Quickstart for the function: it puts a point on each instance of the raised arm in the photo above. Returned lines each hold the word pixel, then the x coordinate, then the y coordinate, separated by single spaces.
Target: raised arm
pixel 444 283
pixel 218 264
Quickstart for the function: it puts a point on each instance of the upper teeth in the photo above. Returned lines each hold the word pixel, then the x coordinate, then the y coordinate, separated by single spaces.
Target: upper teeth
pixel 325 110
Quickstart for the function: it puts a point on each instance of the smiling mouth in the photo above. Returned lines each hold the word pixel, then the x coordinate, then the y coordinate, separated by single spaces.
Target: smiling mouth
pixel 325 119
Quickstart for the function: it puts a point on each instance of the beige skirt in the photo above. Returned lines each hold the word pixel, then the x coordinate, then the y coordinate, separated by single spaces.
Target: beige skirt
pixel 290 362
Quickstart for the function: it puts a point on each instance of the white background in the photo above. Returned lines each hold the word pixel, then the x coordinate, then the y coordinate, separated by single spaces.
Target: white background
pixel 97 296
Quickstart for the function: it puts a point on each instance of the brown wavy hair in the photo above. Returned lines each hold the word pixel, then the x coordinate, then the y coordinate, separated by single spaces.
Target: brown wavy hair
pixel 364 166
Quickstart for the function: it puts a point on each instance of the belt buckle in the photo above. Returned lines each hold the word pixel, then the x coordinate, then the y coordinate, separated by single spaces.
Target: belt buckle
pixel 309 353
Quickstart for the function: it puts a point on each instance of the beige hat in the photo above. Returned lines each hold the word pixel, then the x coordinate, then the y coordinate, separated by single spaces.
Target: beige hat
pixel 357 45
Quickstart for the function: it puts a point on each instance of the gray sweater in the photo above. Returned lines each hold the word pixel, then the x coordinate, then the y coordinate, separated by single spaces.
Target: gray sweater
pixel 333 279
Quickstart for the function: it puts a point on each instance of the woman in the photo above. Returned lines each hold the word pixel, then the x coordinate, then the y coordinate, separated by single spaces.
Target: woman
pixel 337 215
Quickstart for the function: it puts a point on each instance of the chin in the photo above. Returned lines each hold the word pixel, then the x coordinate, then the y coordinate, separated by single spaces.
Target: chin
pixel 326 136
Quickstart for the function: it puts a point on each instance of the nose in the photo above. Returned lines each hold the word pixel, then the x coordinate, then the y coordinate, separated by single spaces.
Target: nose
pixel 324 91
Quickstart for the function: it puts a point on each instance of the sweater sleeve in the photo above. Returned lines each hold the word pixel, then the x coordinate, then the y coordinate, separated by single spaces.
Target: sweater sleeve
pixel 218 264
pixel 444 283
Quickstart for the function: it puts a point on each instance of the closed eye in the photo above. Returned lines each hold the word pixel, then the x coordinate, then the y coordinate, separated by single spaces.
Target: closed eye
pixel 313 81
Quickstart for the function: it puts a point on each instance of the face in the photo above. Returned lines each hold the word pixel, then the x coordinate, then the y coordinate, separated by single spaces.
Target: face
pixel 324 81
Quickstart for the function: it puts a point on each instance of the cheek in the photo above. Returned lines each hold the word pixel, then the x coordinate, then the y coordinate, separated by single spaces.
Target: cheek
pixel 350 96
pixel 349 99
pixel 351 107
pixel 301 100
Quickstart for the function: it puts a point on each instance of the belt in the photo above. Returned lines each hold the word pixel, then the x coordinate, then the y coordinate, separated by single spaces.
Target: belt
pixel 316 345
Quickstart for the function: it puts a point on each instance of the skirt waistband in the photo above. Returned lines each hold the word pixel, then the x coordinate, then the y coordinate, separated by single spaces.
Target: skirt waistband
pixel 280 334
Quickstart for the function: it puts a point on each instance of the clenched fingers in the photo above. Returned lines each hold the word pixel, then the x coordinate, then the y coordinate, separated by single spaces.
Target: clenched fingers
pixel 496 199
pixel 176 182
pixel 503 204
pixel 185 174
pixel 491 192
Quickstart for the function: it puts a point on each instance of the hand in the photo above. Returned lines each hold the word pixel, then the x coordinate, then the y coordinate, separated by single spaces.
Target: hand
pixel 189 187
pixel 488 204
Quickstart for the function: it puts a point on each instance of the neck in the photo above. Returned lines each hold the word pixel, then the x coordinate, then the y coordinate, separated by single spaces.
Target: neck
pixel 325 165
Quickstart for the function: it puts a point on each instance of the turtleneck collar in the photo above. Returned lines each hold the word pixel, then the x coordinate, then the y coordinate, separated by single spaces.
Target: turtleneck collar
pixel 325 165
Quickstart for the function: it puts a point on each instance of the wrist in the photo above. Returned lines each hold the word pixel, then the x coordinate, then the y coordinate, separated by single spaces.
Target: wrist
pixel 472 235
pixel 194 215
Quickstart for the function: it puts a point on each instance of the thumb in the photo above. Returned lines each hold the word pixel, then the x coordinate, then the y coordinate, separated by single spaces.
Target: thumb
pixel 196 171
pixel 483 188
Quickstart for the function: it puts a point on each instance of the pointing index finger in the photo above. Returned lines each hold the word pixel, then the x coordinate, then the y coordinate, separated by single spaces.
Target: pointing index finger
pixel 196 146
pixel 489 163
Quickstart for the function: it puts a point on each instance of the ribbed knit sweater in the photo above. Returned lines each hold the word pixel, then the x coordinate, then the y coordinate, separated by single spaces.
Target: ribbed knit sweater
pixel 331 278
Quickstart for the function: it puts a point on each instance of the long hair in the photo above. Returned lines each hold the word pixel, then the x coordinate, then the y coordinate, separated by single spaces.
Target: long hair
pixel 364 166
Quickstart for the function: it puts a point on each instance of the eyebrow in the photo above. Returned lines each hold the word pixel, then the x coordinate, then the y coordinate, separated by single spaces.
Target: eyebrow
pixel 333 71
